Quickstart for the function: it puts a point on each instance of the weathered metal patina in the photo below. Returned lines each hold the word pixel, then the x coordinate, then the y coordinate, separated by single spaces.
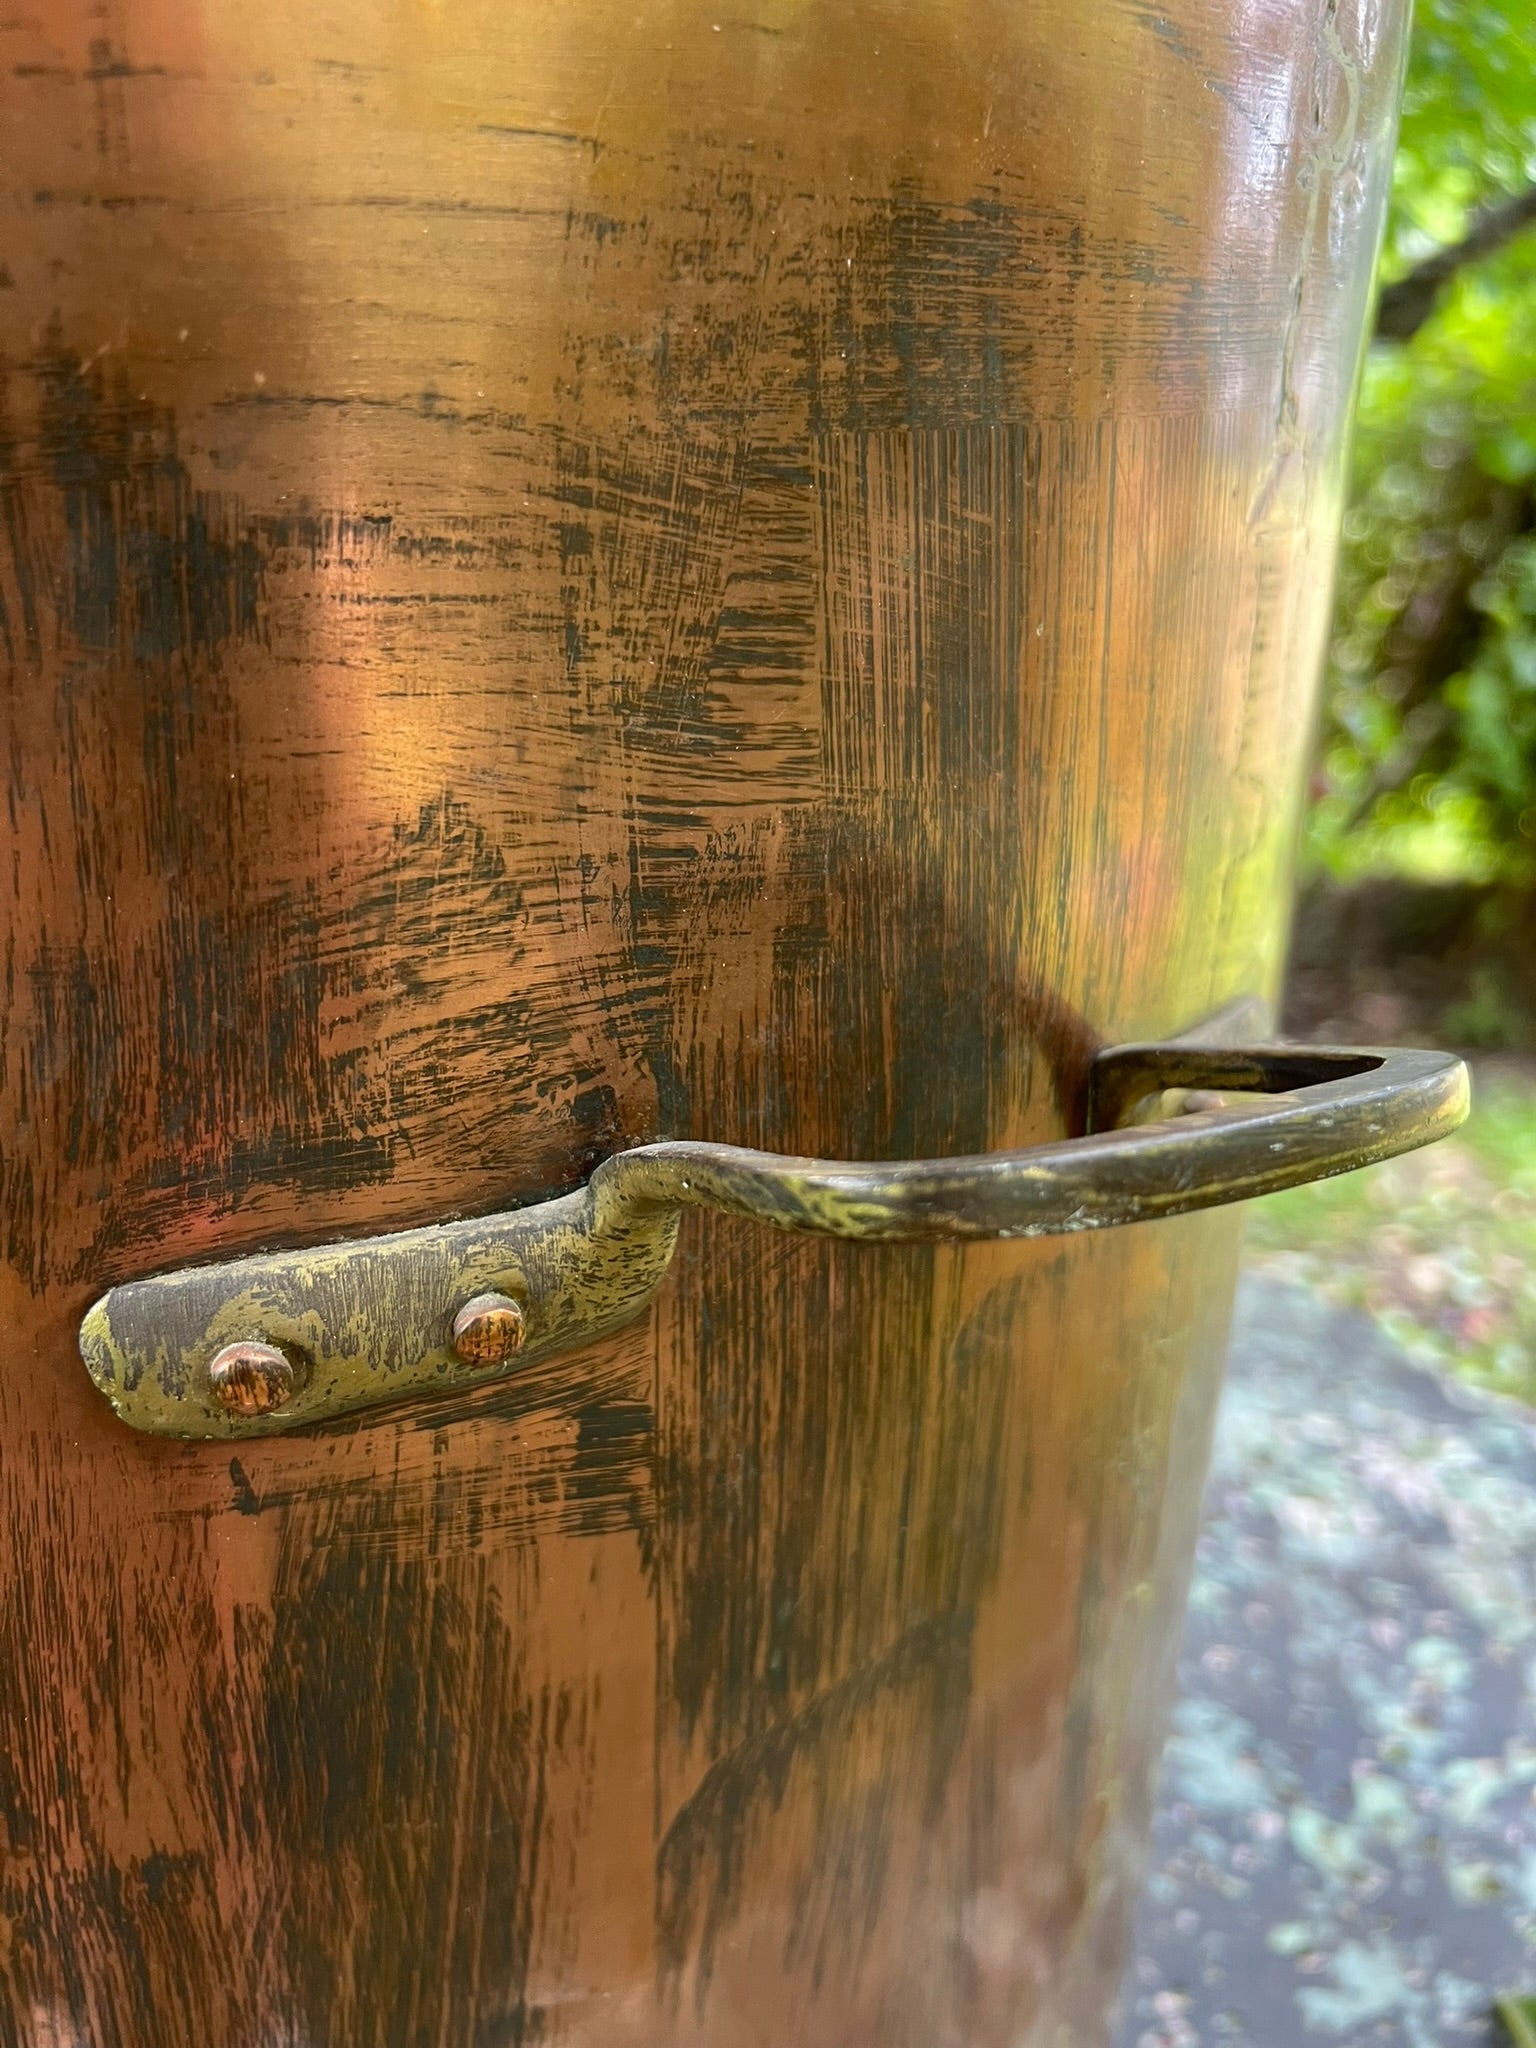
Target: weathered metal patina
pixel 575 574
pixel 371 1322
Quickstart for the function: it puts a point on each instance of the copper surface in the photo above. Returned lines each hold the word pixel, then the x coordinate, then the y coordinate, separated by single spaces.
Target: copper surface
pixel 576 573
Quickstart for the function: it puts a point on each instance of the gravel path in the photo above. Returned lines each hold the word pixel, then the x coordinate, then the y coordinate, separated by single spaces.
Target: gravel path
pixel 1345 1851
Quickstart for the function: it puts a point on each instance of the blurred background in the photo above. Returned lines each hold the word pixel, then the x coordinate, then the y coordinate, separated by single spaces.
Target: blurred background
pixel 1345 1845
pixel 1417 915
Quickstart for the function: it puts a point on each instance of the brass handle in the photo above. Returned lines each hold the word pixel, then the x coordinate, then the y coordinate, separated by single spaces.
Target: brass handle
pixel 1337 1110
pixel 283 1339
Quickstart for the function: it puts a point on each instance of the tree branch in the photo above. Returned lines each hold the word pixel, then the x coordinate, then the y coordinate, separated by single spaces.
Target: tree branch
pixel 1406 305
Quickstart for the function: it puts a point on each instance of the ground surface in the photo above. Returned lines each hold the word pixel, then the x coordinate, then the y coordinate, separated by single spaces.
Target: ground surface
pixel 1346 1848
pixel 1438 1247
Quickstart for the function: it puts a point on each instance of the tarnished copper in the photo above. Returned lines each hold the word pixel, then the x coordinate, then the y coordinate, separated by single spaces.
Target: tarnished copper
pixel 584 572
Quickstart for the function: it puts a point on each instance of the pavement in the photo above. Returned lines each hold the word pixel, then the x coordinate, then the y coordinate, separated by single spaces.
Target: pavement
pixel 1345 1848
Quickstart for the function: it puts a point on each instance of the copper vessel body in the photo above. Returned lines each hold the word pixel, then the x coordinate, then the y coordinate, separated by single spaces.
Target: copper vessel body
pixel 572 573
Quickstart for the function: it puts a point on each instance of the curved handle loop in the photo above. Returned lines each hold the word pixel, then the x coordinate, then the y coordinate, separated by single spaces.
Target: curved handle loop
pixel 285 1339
pixel 1326 1111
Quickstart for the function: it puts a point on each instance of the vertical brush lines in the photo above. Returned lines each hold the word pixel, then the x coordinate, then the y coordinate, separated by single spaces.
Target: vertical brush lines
pixel 922 535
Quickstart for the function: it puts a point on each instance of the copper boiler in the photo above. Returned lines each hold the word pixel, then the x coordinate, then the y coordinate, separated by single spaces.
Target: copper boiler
pixel 574 575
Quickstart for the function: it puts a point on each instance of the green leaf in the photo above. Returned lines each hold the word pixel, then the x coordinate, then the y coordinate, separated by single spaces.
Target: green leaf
pixel 1429 736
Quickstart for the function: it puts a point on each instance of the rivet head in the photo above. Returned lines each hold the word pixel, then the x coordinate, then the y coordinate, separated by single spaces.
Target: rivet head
pixel 251 1379
pixel 487 1330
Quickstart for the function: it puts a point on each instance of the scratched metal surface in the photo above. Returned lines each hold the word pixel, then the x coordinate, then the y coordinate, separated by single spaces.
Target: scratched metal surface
pixel 1345 1849
pixel 587 571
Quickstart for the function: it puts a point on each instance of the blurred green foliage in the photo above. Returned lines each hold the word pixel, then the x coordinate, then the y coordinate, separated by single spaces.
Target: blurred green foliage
pixel 1429 737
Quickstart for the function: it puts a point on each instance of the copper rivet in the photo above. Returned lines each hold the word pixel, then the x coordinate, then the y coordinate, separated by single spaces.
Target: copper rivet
pixel 251 1379
pixel 487 1330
